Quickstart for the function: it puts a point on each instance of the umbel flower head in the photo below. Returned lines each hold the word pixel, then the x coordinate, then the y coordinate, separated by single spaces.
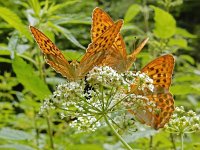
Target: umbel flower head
pixel 102 92
pixel 183 122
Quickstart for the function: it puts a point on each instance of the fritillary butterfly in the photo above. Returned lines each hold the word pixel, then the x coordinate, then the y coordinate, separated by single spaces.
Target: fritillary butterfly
pixel 160 70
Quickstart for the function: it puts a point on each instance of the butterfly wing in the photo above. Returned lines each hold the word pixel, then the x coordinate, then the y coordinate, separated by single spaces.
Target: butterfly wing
pixel 117 53
pixel 52 54
pixel 97 50
pixel 160 70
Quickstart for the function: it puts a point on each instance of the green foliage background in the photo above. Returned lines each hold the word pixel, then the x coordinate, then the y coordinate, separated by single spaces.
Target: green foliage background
pixel 25 80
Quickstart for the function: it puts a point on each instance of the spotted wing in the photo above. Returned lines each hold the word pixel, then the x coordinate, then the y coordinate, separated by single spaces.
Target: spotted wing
pixel 160 70
pixel 52 54
pixel 97 50
pixel 101 21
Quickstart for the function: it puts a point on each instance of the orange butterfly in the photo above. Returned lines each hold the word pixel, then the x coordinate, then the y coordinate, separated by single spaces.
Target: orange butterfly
pixel 94 55
pixel 117 57
pixel 160 70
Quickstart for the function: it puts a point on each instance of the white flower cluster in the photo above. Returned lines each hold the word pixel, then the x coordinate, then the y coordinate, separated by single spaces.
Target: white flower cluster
pixel 183 122
pixel 103 92
pixel 144 81
pixel 86 122
pixel 104 76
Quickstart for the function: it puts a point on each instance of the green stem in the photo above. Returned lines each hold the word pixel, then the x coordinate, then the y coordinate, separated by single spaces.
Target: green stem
pixel 116 134
pixel 50 131
pixel 172 140
pixel 182 135
pixel 37 135
pixel 151 143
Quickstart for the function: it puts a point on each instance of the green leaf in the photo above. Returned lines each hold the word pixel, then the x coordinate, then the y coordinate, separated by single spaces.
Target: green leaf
pixel 86 146
pixel 178 42
pixel 67 34
pixel 185 33
pixel 165 24
pixel 72 55
pixel 12 134
pixel 188 58
pixel 132 11
pixel 35 5
pixel 62 5
pixel 183 89
pixel 15 147
pixel 27 76
pixel 12 19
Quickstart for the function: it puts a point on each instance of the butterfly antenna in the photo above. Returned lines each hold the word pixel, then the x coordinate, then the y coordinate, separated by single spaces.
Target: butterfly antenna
pixel 140 47
pixel 134 44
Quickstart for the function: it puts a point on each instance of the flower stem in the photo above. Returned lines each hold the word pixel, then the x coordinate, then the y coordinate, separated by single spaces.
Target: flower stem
pixel 182 135
pixel 50 131
pixel 116 134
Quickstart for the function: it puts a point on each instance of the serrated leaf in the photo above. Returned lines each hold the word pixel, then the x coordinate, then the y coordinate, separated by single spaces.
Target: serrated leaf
pixel 27 76
pixel 11 18
pixel 12 134
pixel 165 24
pixel 132 11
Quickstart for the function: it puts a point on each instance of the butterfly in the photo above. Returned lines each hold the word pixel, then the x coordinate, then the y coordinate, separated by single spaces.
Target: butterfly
pixel 117 57
pixel 94 55
pixel 160 70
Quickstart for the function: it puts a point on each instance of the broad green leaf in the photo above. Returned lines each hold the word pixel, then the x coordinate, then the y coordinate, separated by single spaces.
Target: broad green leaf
pixel 12 134
pixel 183 89
pixel 186 78
pixel 72 55
pixel 15 147
pixel 27 76
pixel 185 33
pixel 178 42
pixel 165 24
pixel 67 34
pixel 132 11
pixel 11 18
pixel 188 58
pixel 6 60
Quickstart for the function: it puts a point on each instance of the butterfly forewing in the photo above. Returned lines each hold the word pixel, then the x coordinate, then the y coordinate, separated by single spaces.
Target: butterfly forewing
pixel 52 54
pixel 160 70
pixel 117 57
pixel 97 50
pixel 101 22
